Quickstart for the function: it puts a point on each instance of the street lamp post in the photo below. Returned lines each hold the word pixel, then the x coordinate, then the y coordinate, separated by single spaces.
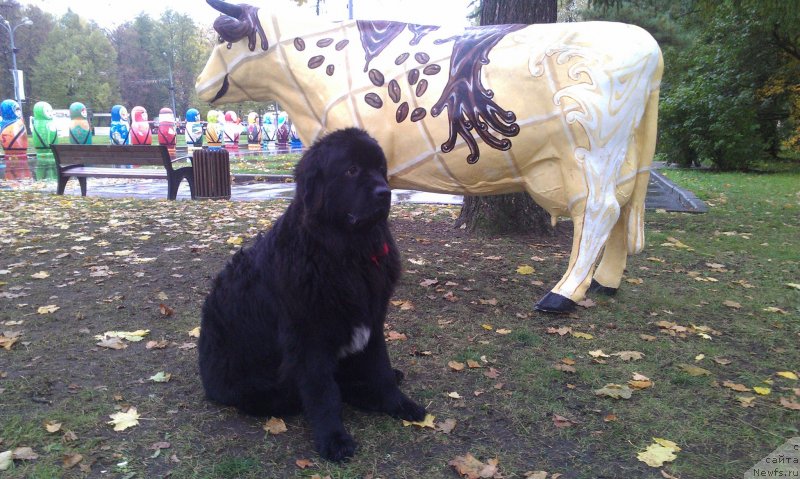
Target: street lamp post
pixel 171 82
pixel 14 49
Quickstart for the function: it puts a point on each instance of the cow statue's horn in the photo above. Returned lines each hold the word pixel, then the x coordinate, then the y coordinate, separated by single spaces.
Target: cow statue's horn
pixel 227 8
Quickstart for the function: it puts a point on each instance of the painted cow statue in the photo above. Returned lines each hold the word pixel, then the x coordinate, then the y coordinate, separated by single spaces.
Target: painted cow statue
pixel 566 112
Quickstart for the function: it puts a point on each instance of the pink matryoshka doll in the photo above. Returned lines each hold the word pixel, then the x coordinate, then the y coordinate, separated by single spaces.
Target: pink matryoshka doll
pixel 166 129
pixel 233 128
pixel 140 127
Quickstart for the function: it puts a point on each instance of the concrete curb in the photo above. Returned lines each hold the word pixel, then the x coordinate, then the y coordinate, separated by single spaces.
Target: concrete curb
pixel 689 202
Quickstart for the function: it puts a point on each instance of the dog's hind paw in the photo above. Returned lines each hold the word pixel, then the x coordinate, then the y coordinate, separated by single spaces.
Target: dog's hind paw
pixel 409 410
pixel 337 446
pixel 398 376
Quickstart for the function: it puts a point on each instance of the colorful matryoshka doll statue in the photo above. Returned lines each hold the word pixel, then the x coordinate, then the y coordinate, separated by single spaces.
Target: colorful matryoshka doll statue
pixel 214 133
pixel 294 138
pixel 44 135
pixel 80 130
pixel 253 131
pixel 14 140
pixel 166 129
pixel 194 129
pixel 233 129
pixel 140 127
pixel 267 130
pixel 120 130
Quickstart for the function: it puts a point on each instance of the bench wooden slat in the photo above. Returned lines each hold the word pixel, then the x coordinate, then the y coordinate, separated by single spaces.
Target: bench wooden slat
pixel 87 171
pixel 71 161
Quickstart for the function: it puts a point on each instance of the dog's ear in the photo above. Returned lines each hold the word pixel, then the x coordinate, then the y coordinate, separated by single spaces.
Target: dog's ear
pixel 309 178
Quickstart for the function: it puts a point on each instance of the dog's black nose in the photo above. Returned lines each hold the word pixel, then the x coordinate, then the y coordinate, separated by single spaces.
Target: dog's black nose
pixel 382 193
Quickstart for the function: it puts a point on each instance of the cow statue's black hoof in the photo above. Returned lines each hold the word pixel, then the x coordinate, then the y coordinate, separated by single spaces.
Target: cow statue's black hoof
pixel 599 288
pixel 555 303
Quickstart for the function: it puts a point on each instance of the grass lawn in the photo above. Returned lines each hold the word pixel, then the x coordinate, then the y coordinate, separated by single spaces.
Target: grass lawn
pixel 704 332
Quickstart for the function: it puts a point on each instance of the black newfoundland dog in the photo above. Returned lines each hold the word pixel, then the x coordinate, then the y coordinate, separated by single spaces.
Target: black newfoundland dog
pixel 295 322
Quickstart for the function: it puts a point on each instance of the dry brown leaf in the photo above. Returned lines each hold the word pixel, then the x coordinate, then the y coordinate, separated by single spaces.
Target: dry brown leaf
pixel 564 367
pixel 70 460
pixel 275 425
pixel 790 403
pixel 24 454
pixel 304 463
pixel 165 310
pixel 157 344
pixel 736 387
pixel 446 426
pixel 562 422
pixel 562 331
pixel 112 343
pixel 587 303
pixel 472 364
pixel 492 373
pixel 629 355
pixel 395 336
pixel 456 366
pixel 732 304
pixel 471 468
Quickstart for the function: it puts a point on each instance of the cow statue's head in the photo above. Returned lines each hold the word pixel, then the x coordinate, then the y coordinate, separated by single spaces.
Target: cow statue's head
pixel 241 37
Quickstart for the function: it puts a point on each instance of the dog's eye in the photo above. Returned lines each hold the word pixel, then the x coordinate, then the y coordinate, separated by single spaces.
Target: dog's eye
pixel 353 171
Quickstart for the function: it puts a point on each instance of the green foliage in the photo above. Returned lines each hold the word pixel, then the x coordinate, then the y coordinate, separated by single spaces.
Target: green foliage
pixel 730 93
pixel 77 62
pixel 148 48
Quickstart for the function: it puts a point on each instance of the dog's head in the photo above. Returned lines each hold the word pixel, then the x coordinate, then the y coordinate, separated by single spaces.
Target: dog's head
pixel 341 181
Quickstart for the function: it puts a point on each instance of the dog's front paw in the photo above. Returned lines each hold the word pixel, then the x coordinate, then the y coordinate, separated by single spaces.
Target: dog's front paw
pixel 336 446
pixel 408 410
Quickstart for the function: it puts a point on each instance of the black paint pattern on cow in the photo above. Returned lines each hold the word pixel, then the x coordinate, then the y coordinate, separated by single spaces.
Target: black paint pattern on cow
pixel 470 105
pixel 376 36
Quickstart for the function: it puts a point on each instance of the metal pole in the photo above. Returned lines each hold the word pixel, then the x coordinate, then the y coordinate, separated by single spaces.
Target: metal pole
pixel 350 9
pixel 171 83
pixel 11 30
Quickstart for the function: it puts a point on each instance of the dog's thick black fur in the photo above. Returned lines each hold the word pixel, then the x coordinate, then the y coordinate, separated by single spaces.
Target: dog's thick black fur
pixel 295 322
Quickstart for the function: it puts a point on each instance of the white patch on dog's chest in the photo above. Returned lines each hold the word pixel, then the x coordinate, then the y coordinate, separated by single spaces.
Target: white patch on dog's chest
pixel 357 343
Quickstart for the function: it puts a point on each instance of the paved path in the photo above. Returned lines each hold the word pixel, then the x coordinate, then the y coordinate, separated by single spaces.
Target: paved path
pixel 661 193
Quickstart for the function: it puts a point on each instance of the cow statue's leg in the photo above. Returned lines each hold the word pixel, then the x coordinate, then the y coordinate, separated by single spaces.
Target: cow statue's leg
pixel 591 230
pixel 627 236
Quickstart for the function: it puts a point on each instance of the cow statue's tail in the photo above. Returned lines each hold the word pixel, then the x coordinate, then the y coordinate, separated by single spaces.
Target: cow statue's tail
pixel 646 145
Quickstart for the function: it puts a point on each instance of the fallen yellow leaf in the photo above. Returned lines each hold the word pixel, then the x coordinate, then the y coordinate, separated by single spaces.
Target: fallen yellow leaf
pixel 659 452
pixel 582 335
pixel 195 333
pixel 526 269
pixel 124 420
pixel 694 370
pixel 50 308
pixel 761 390
pixel 427 422
pixel 746 401
pixel 787 375
pixel 52 426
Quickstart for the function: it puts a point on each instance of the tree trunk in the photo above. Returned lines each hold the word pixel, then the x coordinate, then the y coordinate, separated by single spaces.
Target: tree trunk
pixel 514 212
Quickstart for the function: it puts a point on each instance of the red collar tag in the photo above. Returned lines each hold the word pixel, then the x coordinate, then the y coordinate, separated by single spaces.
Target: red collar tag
pixel 380 254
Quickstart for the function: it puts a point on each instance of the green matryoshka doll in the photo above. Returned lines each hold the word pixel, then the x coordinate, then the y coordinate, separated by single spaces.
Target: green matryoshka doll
pixel 44 135
pixel 80 131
